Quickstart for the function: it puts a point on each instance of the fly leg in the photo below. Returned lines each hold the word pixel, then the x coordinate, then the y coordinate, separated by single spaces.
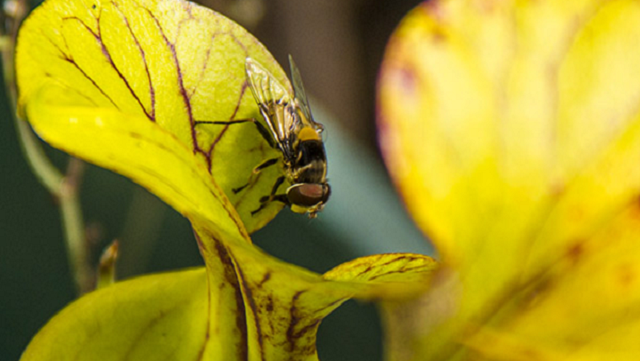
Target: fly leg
pixel 222 122
pixel 264 132
pixel 256 170
pixel 264 201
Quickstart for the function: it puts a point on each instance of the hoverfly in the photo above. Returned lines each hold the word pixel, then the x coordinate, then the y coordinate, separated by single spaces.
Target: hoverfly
pixel 296 135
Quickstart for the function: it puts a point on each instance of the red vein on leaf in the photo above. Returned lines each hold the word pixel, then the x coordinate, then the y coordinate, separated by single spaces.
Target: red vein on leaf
pixel 204 66
pixel 265 278
pixel 296 321
pixel 187 6
pixel 250 300
pixel 406 266
pixel 78 93
pixel 66 57
pixel 152 92
pixel 399 271
pixel 231 276
pixel 107 55
pixel 72 62
pixel 209 300
pixel 243 89
pixel 209 154
pixel 183 91
pixel 240 44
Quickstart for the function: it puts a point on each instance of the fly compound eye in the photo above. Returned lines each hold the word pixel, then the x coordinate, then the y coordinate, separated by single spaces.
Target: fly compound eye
pixel 308 194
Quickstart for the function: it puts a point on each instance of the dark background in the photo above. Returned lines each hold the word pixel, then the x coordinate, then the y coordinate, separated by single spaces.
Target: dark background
pixel 338 46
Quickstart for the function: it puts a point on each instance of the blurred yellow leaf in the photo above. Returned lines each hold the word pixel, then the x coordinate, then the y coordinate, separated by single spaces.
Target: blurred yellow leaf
pixel 512 130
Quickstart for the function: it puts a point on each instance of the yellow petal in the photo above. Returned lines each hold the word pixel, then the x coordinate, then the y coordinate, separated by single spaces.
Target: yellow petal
pixel 170 63
pixel 512 130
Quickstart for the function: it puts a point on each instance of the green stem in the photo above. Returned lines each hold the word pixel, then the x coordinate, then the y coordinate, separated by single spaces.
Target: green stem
pixel 48 175
pixel 74 229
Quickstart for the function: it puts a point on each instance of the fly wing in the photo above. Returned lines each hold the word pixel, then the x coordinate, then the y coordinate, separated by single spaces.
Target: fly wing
pixel 274 100
pixel 301 96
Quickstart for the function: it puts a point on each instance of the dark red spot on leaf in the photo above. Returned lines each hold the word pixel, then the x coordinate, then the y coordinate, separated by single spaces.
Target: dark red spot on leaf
pixel 626 275
pixel 576 251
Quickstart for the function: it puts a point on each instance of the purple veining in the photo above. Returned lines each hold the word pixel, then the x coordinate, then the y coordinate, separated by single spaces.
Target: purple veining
pixel 152 92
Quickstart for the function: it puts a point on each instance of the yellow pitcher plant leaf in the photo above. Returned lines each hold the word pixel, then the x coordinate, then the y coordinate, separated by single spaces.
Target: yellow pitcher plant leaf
pixel 136 148
pixel 169 63
pixel 512 130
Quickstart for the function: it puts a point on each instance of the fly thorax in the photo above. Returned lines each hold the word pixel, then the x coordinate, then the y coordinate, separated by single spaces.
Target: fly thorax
pixel 310 165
